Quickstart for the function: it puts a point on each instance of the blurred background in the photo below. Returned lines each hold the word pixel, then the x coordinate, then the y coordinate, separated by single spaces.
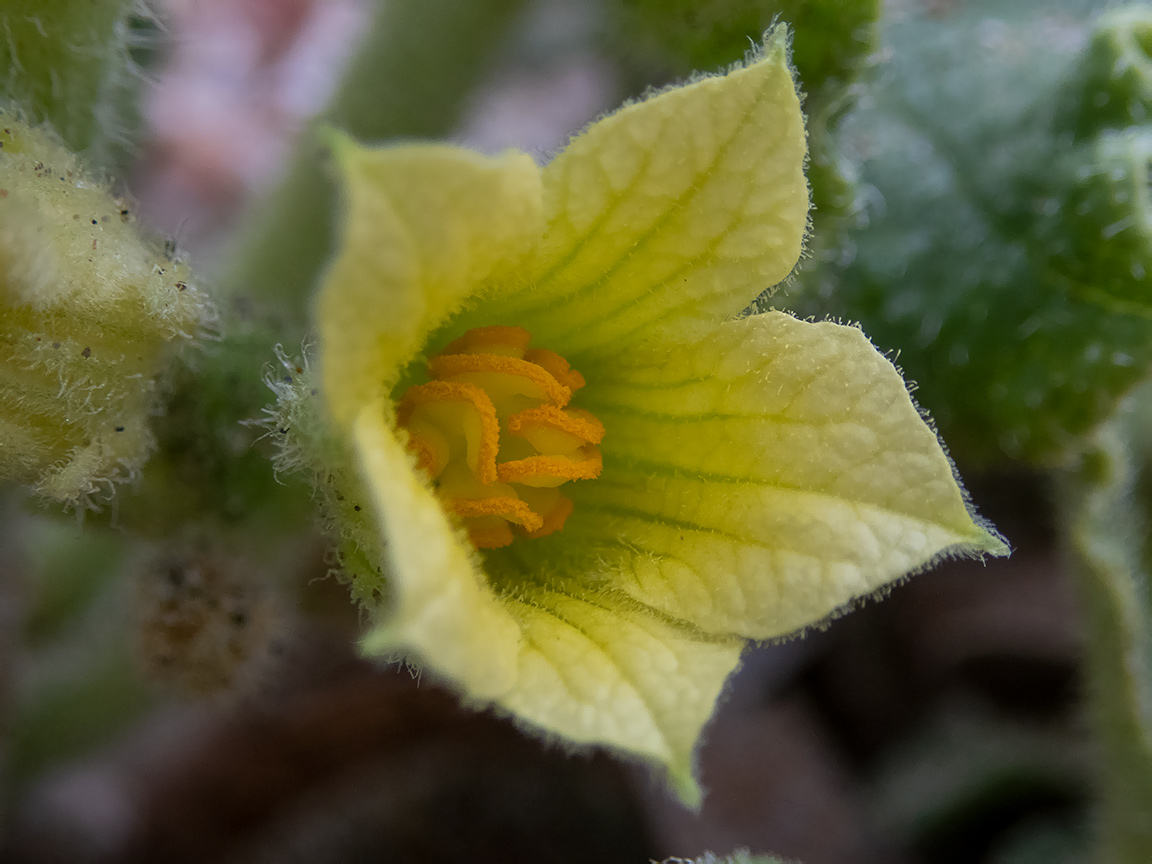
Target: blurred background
pixel 166 703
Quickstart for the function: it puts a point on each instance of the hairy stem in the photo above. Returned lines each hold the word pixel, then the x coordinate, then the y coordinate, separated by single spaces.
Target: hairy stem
pixel 1107 538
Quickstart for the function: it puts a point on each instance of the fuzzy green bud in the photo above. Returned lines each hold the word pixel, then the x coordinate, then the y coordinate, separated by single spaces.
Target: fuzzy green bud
pixel 89 315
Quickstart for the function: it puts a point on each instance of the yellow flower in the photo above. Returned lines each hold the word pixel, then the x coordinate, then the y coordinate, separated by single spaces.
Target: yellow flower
pixel 758 473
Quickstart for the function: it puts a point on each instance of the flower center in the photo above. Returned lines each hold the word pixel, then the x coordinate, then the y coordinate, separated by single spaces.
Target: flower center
pixel 493 431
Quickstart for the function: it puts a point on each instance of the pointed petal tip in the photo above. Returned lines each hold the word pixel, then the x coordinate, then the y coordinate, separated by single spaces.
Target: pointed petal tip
pixel 777 42
pixel 684 785
pixel 990 542
pixel 378 642
pixel 981 541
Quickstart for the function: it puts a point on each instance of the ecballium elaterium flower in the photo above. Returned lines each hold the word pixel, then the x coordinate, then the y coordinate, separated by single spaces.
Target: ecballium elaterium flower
pixel 586 477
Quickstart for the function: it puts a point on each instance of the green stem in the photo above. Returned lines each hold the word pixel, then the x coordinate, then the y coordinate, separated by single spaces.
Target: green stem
pixel 1107 535
pixel 411 78
pixel 66 61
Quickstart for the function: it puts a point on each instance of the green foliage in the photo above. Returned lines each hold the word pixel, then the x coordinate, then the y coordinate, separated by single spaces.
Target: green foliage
pixel 1004 256
pixel 66 62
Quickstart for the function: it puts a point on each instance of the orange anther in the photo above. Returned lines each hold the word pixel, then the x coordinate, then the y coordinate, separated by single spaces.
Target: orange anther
pixel 581 424
pixel 510 341
pixel 534 380
pixel 489 533
pixel 429 456
pixel 554 520
pixel 512 509
pixel 457 391
pixel 486 377
pixel 556 366
pixel 552 470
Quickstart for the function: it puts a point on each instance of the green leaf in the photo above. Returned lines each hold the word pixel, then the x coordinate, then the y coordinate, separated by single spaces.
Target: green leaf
pixel 1007 269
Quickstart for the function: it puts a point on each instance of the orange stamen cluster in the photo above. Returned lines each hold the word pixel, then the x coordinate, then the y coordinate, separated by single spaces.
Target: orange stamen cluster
pixel 494 433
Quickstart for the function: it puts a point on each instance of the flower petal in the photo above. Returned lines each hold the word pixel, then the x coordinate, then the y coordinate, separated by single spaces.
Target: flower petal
pixel 758 480
pixel 672 214
pixel 425 226
pixel 442 609
pixel 600 670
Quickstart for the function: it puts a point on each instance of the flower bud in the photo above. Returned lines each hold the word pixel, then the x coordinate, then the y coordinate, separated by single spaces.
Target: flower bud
pixel 90 313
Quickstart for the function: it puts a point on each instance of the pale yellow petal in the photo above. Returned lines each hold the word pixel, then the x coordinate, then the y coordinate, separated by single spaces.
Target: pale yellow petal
pixel 672 214
pixel 442 610
pixel 424 228
pixel 600 670
pixel 759 479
